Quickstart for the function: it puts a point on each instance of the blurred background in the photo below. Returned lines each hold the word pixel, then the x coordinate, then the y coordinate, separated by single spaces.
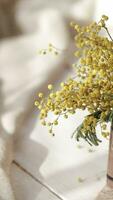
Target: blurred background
pixel 26 26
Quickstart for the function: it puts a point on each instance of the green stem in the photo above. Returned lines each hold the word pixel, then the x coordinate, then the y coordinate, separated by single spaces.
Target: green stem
pixel 108 33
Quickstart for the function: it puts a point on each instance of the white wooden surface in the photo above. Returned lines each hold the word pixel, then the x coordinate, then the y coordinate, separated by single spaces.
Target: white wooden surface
pixel 26 188
pixel 58 163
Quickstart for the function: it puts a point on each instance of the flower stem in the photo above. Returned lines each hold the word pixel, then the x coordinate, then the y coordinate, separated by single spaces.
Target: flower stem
pixel 108 33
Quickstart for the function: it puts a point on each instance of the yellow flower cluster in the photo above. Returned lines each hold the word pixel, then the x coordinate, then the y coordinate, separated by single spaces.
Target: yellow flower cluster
pixel 93 88
pixel 50 49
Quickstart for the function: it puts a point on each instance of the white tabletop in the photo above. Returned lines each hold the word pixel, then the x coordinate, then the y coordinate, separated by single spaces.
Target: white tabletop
pixel 50 168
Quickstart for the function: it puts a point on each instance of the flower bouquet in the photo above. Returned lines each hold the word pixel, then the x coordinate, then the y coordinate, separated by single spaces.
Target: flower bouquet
pixel 90 89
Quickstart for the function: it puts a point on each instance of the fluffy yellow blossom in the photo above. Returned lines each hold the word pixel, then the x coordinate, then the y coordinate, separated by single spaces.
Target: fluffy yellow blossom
pixel 91 90
pixel 50 87
pixel 40 95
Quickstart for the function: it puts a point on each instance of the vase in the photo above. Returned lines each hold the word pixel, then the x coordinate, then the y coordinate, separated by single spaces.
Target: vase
pixel 107 192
